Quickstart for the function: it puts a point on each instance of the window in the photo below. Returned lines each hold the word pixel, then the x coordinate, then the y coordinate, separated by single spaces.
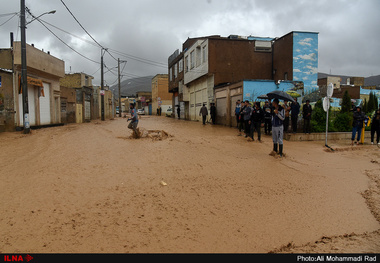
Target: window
pixel 180 65
pixel 192 59
pixel 198 54
pixel 186 63
pixel 175 71
pixel 170 74
pixel 204 54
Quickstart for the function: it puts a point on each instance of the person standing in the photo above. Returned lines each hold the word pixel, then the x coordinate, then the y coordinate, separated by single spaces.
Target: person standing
pixel 357 124
pixel 134 120
pixel 306 116
pixel 295 110
pixel 237 113
pixel 246 116
pixel 179 112
pixel 287 111
pixel 278 117
pixel 375 126
pixel 241 118
pixel 267 117
pixel 257 118
pixel 203 112
pixel 213 112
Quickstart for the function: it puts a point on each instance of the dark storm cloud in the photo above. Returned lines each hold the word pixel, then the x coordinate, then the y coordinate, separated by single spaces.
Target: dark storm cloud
pixel 152 30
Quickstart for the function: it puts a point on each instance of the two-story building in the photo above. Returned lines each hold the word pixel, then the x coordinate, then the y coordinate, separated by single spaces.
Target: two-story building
pixel 211 61
pixel 44 72
pixel 85 102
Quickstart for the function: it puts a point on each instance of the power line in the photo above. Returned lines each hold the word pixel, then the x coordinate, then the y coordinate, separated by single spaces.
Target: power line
pixel 81 25
pixel 9 19
pixel 60 38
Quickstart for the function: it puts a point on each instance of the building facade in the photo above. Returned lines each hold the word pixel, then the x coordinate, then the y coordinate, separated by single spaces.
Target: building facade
pixel 209 62
pixel 44 72
pixel 161 98
pixel 81 83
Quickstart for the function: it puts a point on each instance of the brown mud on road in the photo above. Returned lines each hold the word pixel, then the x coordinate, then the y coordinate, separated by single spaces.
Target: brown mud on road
pixel 184 187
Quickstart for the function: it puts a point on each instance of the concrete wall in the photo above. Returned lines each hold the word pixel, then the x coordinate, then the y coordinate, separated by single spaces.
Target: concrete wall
pixel 39 60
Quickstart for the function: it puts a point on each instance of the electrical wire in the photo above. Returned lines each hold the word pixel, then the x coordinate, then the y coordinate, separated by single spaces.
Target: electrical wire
pixel 61 39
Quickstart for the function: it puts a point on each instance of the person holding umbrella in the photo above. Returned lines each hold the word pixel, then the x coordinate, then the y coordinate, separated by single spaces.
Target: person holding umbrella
pixel 278 117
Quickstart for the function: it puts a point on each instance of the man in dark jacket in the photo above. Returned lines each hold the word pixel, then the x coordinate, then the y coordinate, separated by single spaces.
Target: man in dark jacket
pixel 357 124
pixel 246 116
pixel 306 116
pixel 267 117
pixel 257 118
pixel 213 112
pixel 295 110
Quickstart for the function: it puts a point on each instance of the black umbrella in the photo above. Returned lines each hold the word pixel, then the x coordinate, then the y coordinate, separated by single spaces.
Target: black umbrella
pixel 263 97
pixel 281 95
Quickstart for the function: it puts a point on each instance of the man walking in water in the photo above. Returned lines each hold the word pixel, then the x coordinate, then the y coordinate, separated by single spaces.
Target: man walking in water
pixel 134 120
pixel 203 112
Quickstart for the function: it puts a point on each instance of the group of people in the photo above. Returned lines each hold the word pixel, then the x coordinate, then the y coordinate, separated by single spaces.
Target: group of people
pixel 274 117
pixel 357 125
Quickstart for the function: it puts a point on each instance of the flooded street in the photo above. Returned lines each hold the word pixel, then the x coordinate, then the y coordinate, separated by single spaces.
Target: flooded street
pixel 90 188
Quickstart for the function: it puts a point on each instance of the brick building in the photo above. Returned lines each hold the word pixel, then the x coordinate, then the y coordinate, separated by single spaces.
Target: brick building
pixel 207 62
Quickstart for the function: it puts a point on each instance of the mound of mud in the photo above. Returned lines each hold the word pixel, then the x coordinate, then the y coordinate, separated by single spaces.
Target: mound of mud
pixel 156 135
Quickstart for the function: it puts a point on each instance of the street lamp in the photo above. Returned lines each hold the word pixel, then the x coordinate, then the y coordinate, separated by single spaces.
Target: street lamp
pixel 24 78
pixel 46 13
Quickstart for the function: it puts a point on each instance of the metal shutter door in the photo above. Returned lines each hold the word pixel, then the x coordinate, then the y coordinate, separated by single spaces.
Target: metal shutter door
pixel 45 106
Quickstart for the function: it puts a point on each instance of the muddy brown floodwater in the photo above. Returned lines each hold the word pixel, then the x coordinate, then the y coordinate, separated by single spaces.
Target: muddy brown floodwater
pixel 183 187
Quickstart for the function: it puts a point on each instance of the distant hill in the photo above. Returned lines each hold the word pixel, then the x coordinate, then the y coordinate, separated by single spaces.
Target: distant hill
pixel 369 81
pixel 129 87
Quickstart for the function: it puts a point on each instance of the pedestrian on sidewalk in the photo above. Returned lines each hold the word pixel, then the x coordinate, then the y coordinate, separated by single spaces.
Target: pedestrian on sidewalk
pixel 278 117
pixel 268 110
pixel 237 113
pixel 357 124
pixel 307 110
pixel 375 126
pixel 247 116
pixel 241 118
pixel 203 112
pixel 257 118
pixel 213 112
pixel 179 112
pixel 295 110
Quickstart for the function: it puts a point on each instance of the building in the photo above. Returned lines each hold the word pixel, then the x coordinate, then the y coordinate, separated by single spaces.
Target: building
pixel 161 98
pixel 295 57
pixel 208 62
pixel 85 103
pixel 44 72
pixel 144 101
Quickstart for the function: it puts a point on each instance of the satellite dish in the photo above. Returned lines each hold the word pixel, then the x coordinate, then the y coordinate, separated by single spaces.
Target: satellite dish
pixel 330 90
pixel 326 104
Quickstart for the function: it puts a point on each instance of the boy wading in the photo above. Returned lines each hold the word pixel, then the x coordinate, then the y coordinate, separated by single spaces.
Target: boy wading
pixel 278 117
pixel 134 121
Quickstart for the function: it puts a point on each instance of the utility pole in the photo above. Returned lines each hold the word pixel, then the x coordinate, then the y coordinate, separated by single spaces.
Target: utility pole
pixel 102 92
pixel 118 69
pixel 24 78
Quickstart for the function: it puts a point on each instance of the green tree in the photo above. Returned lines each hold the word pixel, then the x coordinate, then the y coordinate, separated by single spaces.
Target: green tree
pixel 318 118
pixel 346 102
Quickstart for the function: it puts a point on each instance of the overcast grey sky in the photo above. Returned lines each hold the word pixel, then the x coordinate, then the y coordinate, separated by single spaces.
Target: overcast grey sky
pixel 147 32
